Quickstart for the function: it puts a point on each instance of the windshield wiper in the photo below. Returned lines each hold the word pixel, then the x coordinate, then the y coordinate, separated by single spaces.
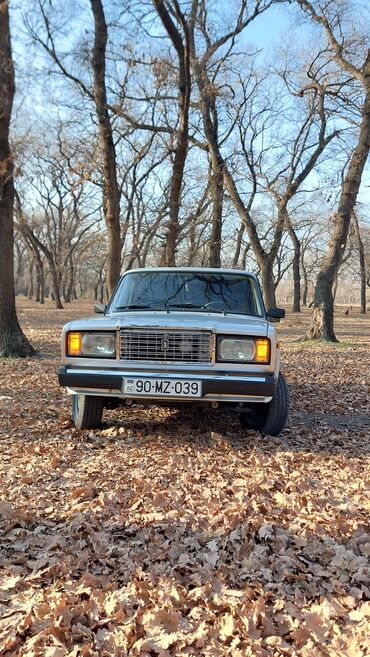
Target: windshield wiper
pixel 133 306
pixel 186 304
pixel 196 306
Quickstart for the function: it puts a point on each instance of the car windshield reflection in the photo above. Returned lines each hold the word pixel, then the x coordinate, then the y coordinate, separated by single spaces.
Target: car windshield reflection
pixel 184 291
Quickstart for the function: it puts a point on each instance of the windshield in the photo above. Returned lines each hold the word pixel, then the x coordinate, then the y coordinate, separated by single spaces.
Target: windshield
pixel 198 291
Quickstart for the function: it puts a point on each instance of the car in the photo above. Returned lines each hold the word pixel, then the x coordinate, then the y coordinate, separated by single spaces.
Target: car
pixel 174 336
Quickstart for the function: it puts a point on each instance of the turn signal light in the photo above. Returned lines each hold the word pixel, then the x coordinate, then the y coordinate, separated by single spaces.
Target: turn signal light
pixel 262 351
pixel 74 344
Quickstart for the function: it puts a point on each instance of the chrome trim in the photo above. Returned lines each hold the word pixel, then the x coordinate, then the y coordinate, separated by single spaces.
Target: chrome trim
pixel 213 347
pixel 174 375
pixel 181 400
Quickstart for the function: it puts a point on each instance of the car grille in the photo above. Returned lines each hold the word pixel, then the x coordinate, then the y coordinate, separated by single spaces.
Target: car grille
pixel 174 346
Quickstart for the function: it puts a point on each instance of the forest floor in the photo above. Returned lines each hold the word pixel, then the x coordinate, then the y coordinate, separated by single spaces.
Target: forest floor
pixel 168 533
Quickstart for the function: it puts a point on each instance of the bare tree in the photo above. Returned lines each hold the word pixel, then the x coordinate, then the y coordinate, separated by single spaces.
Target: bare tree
pixel 182 47
pixel 98 95
pixel 274 161
pixel 111 192
pixel 206 70
pixel 322 321
pixel 12 340
pixel 304 155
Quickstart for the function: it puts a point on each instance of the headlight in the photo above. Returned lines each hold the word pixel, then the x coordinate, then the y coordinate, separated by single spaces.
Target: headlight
pixel 244 350
pixel 91 344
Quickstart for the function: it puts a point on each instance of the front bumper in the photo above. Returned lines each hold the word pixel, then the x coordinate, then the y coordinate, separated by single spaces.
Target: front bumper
pixel 250 388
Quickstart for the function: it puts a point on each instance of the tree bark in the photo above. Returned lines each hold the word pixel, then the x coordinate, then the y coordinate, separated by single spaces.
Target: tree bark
pixel 268 284
pixel 362 262
pixel 238 245
pixel 30 271
pixel 40 295
pixel 70 285
pixel 13 342
pixel 305 282
pixel 296 269
pixel 41 280
pixel 217 193
pixel 55 281
pixel 210 124
pixel 111 191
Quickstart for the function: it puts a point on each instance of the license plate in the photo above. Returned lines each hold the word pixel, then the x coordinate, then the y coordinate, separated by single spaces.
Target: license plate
pixel 162 387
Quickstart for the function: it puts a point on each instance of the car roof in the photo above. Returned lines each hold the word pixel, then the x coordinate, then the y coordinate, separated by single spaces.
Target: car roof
pixel 205 270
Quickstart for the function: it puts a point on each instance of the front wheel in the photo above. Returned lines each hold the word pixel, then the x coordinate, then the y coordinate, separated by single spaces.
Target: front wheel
pixel 269 418
pixel 87 411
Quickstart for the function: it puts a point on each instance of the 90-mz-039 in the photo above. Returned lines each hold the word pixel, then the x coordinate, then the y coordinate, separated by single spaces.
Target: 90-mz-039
pixel 177 336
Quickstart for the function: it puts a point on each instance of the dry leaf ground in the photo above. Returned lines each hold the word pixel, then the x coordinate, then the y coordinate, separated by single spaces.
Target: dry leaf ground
pixel 175 533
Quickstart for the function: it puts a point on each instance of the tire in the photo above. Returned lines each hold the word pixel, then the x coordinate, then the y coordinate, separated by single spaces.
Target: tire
pixel 87 411
pixel 269 418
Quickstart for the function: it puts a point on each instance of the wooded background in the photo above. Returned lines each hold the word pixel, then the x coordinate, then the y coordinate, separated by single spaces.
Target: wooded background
pixel 161 133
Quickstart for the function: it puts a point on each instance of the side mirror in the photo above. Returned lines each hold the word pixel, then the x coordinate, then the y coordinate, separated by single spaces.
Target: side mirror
pixel 275 314
pixel 100 308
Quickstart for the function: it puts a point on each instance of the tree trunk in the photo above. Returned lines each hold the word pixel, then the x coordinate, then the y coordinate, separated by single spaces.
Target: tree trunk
pixel 12 340
pixel 305 283
pixel 238 246
pixel 247 248
pixel 217 192
pixel 296 270
pixel 30 271
pixel 335 289
pixel 363 292
pixel 38 286
pixel 20 265
pixel 361 257
pixel 268 283
pixel 182 47
pixel 69 290
pixel 192 243
pixel 40 282
pixel 323 328
pixel 111 191
pixel 210 124
pixel 56 292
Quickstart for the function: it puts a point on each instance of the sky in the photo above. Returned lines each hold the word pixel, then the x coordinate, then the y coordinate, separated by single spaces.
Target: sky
pixel 266 30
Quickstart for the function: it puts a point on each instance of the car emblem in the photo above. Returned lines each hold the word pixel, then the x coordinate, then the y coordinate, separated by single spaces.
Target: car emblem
pixel 164 344
pixel 185 346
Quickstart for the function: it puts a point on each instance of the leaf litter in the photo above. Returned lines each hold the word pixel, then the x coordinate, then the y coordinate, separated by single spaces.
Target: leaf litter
pixel 176 533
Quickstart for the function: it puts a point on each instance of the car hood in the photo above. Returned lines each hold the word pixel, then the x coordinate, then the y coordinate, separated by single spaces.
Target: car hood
pixel 217 323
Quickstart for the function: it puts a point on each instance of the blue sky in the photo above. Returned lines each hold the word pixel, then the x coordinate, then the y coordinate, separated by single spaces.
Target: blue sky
pixel 266 30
